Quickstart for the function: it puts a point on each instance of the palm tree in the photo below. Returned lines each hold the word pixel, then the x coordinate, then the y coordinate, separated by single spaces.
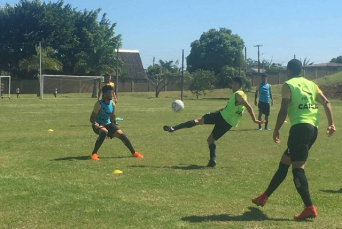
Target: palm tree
pixel 48 63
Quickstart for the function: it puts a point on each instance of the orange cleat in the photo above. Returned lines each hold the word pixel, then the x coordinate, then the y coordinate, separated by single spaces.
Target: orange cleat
pixel 309 212
pixel 137 154
pixel 260 200
pixel 94 157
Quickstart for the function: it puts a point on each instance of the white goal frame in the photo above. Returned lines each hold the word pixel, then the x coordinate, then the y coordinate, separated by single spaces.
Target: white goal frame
pixel 41 83
pixel 9 86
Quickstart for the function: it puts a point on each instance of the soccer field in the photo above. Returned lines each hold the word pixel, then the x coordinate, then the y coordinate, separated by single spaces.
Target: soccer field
pixel 47 180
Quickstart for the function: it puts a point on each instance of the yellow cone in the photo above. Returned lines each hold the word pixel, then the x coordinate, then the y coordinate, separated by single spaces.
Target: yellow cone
pixel 116 171
pixel 50 130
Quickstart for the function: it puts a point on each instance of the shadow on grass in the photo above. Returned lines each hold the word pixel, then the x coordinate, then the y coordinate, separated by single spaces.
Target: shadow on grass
pixel 254 214
pixel 81 158
pixel 332 191
pixel 187 167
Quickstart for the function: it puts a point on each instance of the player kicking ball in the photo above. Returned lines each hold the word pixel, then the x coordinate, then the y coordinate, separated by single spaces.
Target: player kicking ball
pixel 223 119
pixel 103 122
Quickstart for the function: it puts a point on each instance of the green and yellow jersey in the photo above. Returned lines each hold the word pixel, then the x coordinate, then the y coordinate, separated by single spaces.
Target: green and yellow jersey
pixel 234 109
pixel 303 95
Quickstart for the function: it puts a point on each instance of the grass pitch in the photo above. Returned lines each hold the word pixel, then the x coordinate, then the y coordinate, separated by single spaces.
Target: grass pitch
pixel 47 180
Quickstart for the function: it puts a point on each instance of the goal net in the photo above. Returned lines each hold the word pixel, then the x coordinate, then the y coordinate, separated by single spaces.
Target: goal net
pixel 5 86
pixel 49 84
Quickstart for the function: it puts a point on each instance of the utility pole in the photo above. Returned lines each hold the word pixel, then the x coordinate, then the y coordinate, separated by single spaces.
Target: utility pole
pixel 258 57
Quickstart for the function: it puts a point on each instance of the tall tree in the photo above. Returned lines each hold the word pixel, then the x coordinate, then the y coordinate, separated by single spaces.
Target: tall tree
pixel 336 60
pixel 48 61
pixel 214 50
pixel 77 37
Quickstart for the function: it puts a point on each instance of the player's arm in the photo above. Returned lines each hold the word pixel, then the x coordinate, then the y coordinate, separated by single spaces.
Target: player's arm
pixel 256 95
pixel 271 96
pixel 328 112
pixel 286 98
pixel 100 90
pixel 244 102
pixel 96 109
pixel 115 98
pixel 112 115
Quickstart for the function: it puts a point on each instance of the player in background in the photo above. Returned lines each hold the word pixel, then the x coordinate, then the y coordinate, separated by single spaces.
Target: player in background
pixel 223 119
pixel 55 92
pixel 299 102
pixel 2 89
pixel 265 94
pixel 107 81
pixel 17 91
pixel 103 122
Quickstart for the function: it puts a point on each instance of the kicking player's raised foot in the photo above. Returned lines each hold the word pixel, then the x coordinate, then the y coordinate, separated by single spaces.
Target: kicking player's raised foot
pixel 168 128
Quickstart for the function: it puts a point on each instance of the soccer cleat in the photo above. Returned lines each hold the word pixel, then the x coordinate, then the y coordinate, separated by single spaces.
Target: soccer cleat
pixel 168 128
pixel 260 128
pixel 137 154
pixel 211 163
pixel 308 212
pixel 94 157
pixel 260 200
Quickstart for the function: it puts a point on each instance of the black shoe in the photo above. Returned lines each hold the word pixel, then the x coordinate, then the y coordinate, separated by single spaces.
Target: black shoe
pixel 211 163
pixel 168 128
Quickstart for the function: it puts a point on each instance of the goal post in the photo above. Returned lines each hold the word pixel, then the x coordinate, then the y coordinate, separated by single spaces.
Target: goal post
pixel 68 84
pixel 3 86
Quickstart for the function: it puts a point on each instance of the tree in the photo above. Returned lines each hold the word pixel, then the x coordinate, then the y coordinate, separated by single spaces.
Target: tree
pixel 336 60
pixel 214 50
pixel 203 81
pixel 84 45
pixel 48 61
pixel 158 73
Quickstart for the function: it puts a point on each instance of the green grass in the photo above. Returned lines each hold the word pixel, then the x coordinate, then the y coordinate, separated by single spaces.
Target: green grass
pixel 46 180
pixel 331 80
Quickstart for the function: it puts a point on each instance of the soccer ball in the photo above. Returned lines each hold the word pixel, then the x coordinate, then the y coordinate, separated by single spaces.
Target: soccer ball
pixel 177 105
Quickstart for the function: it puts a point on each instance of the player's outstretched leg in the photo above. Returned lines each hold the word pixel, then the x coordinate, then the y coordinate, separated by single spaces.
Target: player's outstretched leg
pixel 187 124
pixel 128 144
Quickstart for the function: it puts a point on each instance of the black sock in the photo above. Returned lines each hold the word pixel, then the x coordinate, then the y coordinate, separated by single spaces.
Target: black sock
pixel 277 179
pixel 302 185
pixel 99 141
pixel 187 124
pixel 266 123
pixel 259 126
pixel 212 148
pixel 127 143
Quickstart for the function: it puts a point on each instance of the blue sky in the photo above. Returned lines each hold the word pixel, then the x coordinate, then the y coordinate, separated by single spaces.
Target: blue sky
pixel 161 29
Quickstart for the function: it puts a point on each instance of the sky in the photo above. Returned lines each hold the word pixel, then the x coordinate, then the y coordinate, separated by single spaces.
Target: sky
pixel 162 29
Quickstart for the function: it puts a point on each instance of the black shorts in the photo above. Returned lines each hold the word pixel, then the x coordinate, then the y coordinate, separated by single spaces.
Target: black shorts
pixel 221 126
pixel 264 108
pixel 111 127
pixel 302 136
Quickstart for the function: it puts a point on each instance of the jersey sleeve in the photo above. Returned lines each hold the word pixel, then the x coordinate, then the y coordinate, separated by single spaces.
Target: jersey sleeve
pixel 318 90
pixel 97 107
pixel 239 96
pixel 285 91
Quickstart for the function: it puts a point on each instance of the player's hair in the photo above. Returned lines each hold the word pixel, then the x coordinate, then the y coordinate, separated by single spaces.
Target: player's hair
pixel 107 75
pixel 238 80
pixel 264 75
pixel 106 88
pixel 295 66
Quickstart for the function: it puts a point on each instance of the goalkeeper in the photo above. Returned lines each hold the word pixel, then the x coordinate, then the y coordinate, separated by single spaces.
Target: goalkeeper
pixel 107 81
pixel 102 119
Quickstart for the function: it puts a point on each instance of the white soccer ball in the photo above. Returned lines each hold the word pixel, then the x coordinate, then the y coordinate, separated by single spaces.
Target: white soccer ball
pixel 177 105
